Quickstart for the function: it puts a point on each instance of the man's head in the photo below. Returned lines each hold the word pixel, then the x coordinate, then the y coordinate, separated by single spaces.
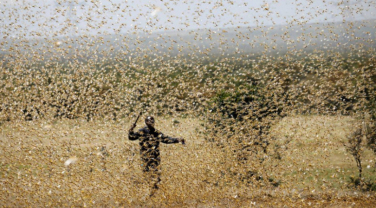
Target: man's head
pixel 149 121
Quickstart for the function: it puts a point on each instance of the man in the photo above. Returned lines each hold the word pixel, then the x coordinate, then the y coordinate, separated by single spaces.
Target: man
pixel 150 139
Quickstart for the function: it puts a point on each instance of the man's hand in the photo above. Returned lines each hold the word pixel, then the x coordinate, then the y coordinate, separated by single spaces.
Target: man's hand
pixel 134 124
pixel 182 141
pixel 132 127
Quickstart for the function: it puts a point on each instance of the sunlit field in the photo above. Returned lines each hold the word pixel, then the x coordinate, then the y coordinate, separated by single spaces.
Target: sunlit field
pixel 315 169
pixel 267 103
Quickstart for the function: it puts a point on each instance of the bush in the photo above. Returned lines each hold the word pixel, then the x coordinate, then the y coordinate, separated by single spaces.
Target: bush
pixel 241 119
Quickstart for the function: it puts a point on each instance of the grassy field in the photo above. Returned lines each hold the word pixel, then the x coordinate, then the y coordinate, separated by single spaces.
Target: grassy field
pixel 269 109
pixel 104 170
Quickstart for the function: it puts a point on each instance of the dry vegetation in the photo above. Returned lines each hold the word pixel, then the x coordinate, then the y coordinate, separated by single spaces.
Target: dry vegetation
pixel 314 170
pixel 273 116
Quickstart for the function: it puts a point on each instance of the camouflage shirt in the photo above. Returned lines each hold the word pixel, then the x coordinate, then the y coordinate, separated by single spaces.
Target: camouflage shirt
pixel 149 142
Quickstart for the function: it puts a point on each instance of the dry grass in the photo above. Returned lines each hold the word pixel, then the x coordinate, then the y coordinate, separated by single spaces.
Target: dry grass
pixel 73 73
pixel 314 169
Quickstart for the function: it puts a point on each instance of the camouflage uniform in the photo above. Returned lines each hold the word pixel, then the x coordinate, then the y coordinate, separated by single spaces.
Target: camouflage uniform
pixel 150 139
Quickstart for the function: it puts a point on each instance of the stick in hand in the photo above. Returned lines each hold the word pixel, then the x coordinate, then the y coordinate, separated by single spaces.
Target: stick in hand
pixel 134 124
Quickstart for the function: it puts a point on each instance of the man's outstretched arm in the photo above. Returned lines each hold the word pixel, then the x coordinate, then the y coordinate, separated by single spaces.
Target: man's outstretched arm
pixel 170 140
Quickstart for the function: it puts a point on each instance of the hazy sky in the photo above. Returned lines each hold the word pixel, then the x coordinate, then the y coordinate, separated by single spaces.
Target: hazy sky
pixel 63 17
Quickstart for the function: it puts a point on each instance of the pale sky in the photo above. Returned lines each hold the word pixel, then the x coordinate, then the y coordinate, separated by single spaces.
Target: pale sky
pixel 27 18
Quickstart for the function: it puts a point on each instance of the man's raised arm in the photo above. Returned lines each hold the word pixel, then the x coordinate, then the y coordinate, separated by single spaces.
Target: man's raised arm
pixel 131 134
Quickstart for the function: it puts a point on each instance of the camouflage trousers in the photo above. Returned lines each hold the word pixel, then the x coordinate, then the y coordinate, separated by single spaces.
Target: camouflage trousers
pixel 152 172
